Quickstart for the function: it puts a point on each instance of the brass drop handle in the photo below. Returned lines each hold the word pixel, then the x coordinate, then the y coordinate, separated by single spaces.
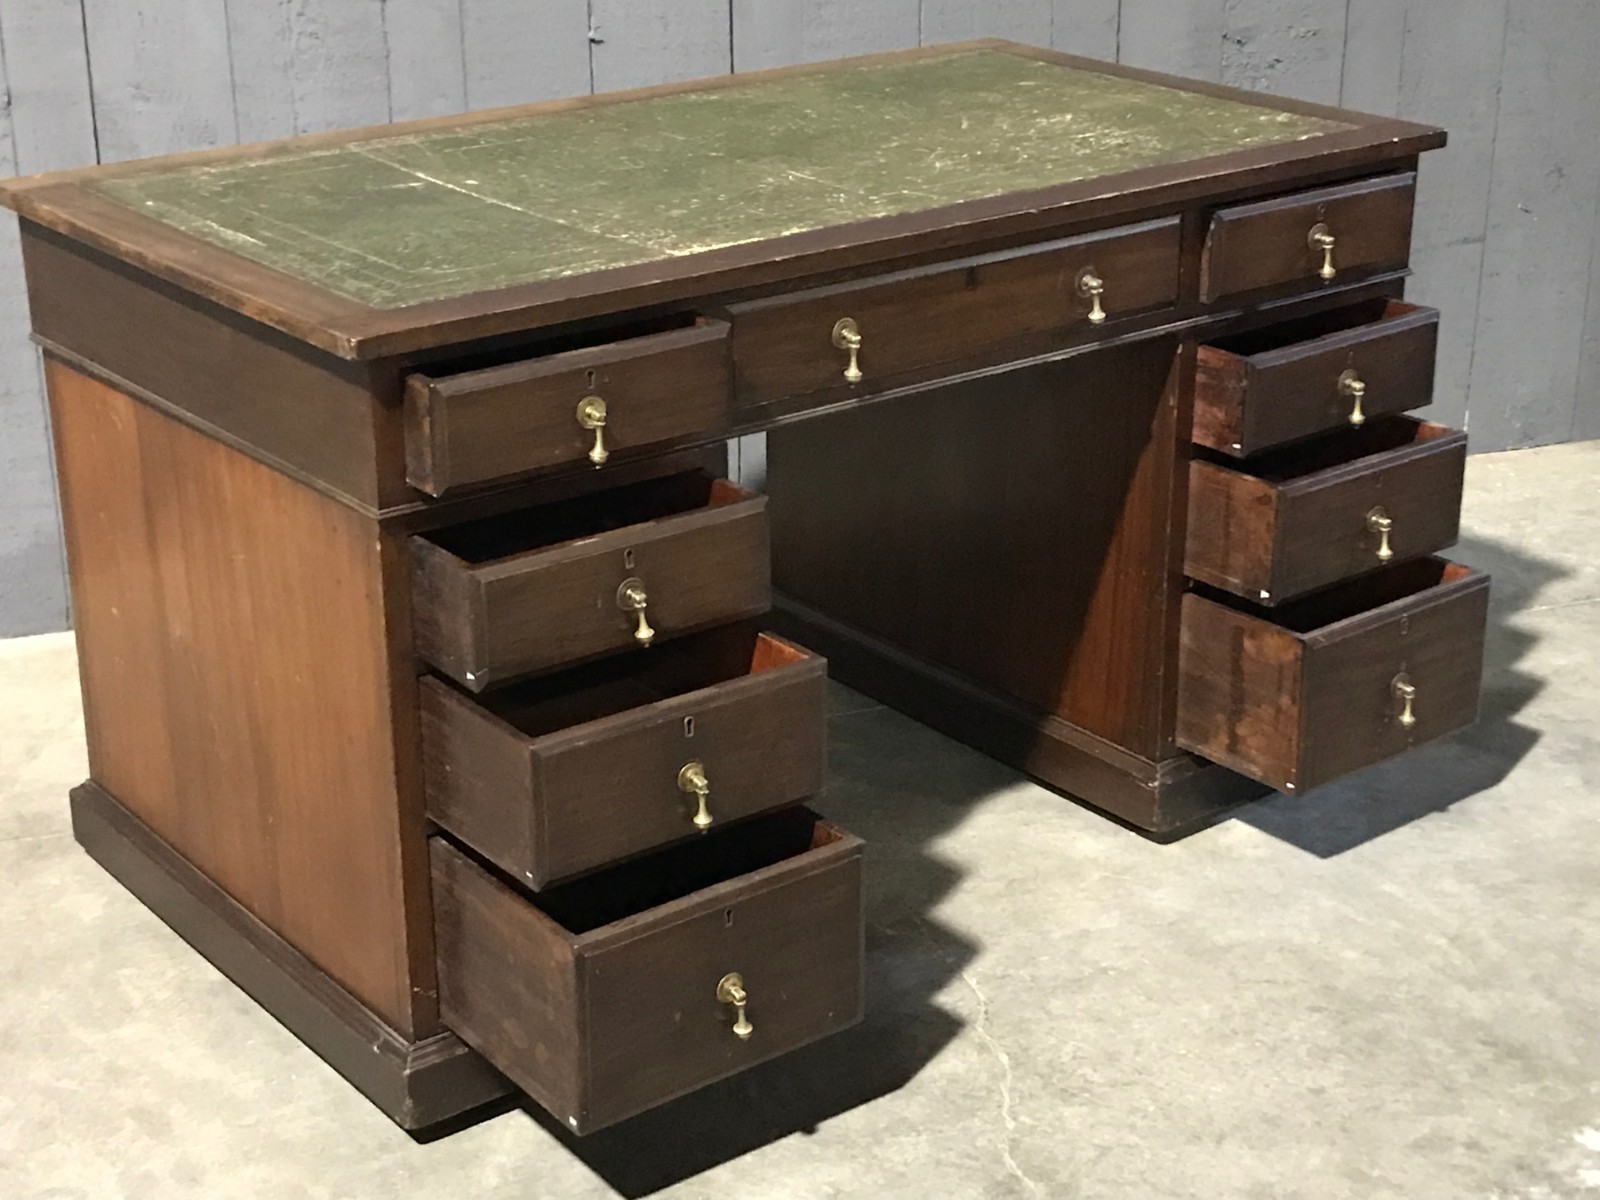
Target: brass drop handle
pixel 847 336
pixel 592 415
pixel 631 597
pixel 1406 692
pixel 730 990
pixel 1321 238
pixel 1350 385
pixel 1092 287
pixel 692 781
pixel 1381 523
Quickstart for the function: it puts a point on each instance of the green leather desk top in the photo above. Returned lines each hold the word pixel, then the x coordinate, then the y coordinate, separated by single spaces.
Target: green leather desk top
pixel 400 220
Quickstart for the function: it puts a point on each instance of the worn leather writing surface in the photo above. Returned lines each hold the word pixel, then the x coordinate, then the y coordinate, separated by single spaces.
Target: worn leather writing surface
pixel 402 220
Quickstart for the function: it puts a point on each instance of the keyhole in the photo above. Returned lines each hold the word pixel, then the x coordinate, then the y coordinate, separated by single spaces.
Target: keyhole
pixel 627 560
pixel 727 918
pixel 589 375
pixel 688 727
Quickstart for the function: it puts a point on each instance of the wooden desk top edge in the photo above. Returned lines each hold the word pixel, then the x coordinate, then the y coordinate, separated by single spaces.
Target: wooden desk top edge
pixel 62 202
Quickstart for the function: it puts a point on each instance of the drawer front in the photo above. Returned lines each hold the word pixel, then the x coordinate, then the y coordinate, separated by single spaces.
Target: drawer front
pixel 1279 243
pixel 482 624
pixel 546 806
pixel 478 426
pixel 600 1024
pixel 1336 508
pixel 1382 363
pixel 1298 696
pixel 916 321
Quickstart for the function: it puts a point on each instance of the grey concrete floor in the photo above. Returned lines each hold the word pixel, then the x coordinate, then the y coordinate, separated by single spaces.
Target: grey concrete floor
pixel 1386 988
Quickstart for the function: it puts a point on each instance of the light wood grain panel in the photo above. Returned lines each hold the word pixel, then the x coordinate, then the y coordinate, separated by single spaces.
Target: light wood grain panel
pixel 1087 27
pixel 1286 47
pixel 1181 36
pixel 641 42
pixel 516 51
pixel 776 33
pixel 306 68
pixel 1026 21
pixel 427 72
pixel 236 681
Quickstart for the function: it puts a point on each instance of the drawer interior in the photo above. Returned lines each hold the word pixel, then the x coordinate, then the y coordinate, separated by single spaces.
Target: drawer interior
pixel 1304 459
pixel 633 888
pixel 1285 334
pixel 1319 612
pixel 595 691
pixel 510 534
pixel 516 348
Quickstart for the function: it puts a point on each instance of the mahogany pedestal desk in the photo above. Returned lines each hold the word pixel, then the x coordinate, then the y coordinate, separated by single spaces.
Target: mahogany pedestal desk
pixel 428 666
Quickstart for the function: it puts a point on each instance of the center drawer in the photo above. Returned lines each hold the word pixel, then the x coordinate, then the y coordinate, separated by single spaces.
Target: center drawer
pixel 947 313
pixel 1301 694
pixel 1285 523
pixel 569 772
pixel 625 989
pixel 545 587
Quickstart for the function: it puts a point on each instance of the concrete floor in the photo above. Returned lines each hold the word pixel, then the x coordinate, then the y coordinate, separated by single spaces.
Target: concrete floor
pixel 1387 988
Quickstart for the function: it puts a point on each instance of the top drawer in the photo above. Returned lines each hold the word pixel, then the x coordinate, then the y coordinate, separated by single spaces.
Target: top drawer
pixel 589 403
pixel 1310 238
pixel 944 313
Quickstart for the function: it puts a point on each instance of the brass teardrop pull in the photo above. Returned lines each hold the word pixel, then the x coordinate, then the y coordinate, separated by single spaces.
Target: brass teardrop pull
pixel 1406 692
pixel 847 336
pixel 592 415
pixel 1350 385
pixel 1092 288
pixel 692 781
pixel 1381 523
pixel 1321 238
pixel 730 990
pixel 631 597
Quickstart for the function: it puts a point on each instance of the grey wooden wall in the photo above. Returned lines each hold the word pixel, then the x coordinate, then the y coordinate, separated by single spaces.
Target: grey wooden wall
pixel 1507 232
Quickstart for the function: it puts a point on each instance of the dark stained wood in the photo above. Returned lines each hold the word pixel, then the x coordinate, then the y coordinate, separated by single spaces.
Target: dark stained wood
pixel 272 772
pixel 1265 245
pixel 1290 522
pixel 1176 793
pixel 1279 384
pixel 577 770
pixel 1302 694
pixel 416 1083
pixel 536 589
pixel 341 327
pixel 497 421
pixel 301 411
pixel 611 1007
pixel 1018 536
pixel 782 345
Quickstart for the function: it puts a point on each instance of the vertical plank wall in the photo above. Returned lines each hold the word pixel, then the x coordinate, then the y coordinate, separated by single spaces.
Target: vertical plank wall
pixel 1507 233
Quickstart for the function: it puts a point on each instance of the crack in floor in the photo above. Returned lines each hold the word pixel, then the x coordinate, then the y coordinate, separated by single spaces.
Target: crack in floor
pixel 981 1028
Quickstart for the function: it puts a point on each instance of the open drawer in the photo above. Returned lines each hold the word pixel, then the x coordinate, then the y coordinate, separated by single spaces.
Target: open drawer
pixel 569 772
pixel 1301 694
pixel 471 424
pixel 1335 369
pixel 623 990
pixel 545 587
pixel 1285 523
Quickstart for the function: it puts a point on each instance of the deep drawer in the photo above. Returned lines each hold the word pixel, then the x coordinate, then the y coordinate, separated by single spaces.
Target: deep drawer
pixel 473 426
pixel 606 996
pixel 555 585
pixel 1282 243
pixel 1333 370
pixel 569 772
pixel 1326 510
pixel 948 313
pixel 1304 693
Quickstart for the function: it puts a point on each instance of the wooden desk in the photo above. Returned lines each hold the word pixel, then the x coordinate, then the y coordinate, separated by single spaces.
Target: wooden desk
pixel 385 456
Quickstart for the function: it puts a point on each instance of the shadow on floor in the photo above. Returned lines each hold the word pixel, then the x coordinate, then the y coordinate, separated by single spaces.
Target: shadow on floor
pixel 1352 811
pixel 889 783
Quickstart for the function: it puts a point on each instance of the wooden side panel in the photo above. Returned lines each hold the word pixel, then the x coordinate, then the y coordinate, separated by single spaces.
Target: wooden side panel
pixel 231 634
pixel 1239 692
pixel 311 414
pixel 1018 531
pixel 507 981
